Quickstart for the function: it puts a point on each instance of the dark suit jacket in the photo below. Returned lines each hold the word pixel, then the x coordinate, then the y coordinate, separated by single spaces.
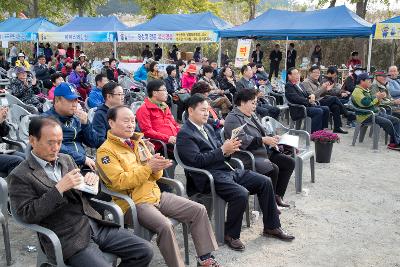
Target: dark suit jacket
pixel 195 151
pixel 254 56
pixel 36 200
pixel 296 96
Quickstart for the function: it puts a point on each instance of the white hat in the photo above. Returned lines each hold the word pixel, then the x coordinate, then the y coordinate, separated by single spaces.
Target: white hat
pixel 82 55
pixel 106 59
pixel 21 55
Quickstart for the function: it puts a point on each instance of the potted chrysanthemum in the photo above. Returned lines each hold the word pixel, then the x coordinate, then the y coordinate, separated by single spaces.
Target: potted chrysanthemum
pixel 324 141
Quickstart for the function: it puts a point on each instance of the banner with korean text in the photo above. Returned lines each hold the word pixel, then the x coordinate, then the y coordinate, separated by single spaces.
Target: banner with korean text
pixel 167 37
pixel 18 36
pixel 242 52
pixel 78 37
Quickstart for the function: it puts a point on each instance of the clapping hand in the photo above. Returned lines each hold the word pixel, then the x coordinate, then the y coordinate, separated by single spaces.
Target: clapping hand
pixel 230 146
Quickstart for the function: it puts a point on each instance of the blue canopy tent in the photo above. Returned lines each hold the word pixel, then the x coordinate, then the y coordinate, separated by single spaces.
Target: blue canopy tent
pixel 328 23
pixel 87 29
pixel 16 29
pixel 177 28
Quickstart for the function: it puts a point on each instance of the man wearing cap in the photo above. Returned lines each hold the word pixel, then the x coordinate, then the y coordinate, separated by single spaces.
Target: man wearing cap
pixel 96 98
pixel 75 125
pixel 380 84
pixel 22 62
pixel 141 73
pixel 394 82
pixel 67 68
pixel 364 99
pixel 24 88
pixel 106 64
pixel 43 71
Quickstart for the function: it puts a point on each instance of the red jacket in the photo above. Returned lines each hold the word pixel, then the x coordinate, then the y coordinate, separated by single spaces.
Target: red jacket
pixel 188 81
pixel 156 123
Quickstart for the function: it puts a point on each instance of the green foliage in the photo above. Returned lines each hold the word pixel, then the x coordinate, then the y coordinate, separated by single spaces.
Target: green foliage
pixel 150 8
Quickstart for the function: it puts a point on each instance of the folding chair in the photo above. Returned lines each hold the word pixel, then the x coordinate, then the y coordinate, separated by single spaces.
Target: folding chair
pixel 4 219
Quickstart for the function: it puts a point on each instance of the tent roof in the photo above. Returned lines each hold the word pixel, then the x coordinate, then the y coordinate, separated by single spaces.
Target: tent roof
pixel 392 20
pixel 320 24
pixel 183 22
pixel 94 24
pixel 27 25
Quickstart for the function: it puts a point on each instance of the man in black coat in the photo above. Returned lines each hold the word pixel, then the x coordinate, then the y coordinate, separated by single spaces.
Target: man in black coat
pixel 198 147
pixel 275 57
pixel 291 57
pixel 295 94
pixel 42 192
pixel 257 55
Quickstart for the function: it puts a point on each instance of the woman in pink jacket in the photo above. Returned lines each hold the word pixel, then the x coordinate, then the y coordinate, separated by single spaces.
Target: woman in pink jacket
pixel 189 78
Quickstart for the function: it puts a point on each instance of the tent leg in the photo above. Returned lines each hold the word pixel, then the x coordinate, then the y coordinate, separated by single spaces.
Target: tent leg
pixel 219 52
pixel 74 52
pixel 287 40
pixel 369 53
pixel 37 47
pixel 115 49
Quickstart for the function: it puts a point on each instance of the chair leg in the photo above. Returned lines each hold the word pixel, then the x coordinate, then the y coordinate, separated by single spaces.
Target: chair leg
pixel 186 242
pixel 375 140
pixel 307 124
pixel 371 131
pixel 298 174
pixel 312 167
pixel 386 138
pixel 7 245
pixel 356 132
pixel 219 220
pixel 248 213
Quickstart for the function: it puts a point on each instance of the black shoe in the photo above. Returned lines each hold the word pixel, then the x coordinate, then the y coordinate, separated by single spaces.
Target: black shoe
pixel 340 130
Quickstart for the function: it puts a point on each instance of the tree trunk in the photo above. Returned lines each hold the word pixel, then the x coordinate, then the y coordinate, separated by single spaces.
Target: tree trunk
pixel 252 9
pixel 35 9
pixel 361 10
pixel 332 3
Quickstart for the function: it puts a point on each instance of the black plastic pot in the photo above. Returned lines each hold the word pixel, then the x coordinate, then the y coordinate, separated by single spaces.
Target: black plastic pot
pixel 323 152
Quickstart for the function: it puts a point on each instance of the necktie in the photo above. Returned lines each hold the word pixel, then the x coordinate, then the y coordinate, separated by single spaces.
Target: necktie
pixel 203 132
pixel 130 144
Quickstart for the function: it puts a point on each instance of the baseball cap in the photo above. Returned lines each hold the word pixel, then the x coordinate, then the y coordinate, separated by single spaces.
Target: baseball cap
pixel 21 55
pixel 106 59
pixel 66 90
pixel 381 73
pixel 148 61
pixel 364 76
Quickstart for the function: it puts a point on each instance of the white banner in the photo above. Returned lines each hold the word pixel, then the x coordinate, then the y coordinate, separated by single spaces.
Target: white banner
pixel 167 37
pixel 242 52
pixel 77 37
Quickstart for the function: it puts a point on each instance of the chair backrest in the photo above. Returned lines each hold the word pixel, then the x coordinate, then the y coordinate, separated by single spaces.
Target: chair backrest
pixel 184 118
pixel 47 105
pixel 91 113
pixel 14 100
pixel 273 126
pixel 17 113
pixel 23 128
pixel 136 105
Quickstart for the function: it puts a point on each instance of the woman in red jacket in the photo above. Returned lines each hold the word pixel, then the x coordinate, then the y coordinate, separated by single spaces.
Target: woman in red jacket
pixel 189 78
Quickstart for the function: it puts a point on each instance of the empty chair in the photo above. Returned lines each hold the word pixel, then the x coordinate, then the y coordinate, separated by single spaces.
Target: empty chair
pixel 304 153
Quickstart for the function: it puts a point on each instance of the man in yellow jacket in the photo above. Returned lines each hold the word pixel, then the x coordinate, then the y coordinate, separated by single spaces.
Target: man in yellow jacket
pixel 129 168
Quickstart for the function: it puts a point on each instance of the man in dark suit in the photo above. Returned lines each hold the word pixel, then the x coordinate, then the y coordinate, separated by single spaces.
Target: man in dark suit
pixel 198 147
pixel 275 57
pixel 257 55
pixel 42 192
pixel 295 94
pixel 291 57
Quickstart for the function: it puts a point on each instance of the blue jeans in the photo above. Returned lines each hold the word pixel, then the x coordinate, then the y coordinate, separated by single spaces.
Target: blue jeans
pixel 390 124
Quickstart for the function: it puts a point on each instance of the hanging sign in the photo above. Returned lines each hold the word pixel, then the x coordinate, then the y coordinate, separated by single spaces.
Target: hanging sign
pixel 387 31
pixel 242 52
pixel 167 37
pixel 77 37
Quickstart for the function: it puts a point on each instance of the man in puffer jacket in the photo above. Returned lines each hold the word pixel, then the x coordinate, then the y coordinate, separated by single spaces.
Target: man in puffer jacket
pixel 76 128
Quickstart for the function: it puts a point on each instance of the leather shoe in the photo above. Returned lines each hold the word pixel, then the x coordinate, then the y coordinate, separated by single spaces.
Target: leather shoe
pixel 280 202
pixel 234 244
pixel 340 130
pixel 279 234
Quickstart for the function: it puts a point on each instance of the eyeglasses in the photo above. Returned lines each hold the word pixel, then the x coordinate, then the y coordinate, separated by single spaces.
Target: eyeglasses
pixel 118 94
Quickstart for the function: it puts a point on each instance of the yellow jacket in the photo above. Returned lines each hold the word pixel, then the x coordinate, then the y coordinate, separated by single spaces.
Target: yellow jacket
pixel 24 64
pixel 125 173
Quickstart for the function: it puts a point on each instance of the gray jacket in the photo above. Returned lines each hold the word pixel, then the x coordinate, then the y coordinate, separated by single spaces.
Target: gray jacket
pixel 36 200
pixel 252 130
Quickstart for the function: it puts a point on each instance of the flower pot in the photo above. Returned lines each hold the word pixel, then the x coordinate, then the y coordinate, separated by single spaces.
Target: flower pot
pixel 323 152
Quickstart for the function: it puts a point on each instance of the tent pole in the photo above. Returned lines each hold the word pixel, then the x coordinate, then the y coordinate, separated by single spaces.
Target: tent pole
pixel 37 47
pixel 73 58
pixel 287 40
pixel 115 49
pixel 369 53
pixel 219 52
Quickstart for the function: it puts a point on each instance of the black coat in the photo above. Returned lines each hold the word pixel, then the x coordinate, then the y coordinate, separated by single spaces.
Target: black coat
pixel 195 151
pixel 291 58
pixel 275 57
pixel 295 94
pixel 254 56
pixel 110 74
pixel 36 200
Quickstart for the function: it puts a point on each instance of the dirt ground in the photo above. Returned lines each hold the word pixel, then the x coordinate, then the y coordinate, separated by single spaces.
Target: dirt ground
pixel 349 217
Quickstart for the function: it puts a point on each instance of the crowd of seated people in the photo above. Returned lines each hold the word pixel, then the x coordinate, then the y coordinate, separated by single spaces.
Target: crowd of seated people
pixel 214 100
